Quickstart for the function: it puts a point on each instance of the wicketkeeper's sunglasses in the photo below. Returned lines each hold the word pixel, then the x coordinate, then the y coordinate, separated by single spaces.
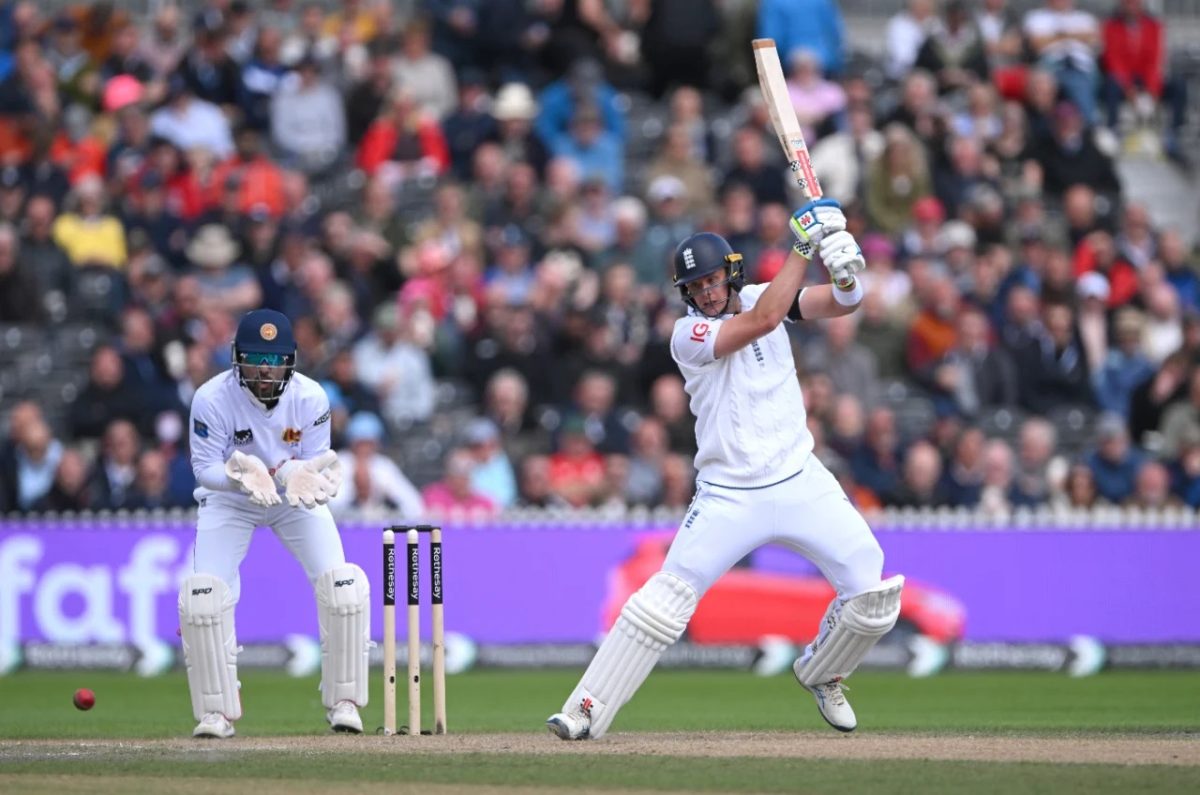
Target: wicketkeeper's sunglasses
pixel 268 359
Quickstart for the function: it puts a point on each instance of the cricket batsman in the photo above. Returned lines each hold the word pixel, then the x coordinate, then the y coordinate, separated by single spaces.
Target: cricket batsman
pixel 757 481
pixel 260 453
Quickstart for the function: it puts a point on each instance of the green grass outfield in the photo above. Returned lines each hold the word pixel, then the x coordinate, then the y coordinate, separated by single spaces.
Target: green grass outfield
pixel 282 743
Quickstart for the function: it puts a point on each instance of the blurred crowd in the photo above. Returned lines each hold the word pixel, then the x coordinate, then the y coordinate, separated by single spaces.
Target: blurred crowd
pixel 486 195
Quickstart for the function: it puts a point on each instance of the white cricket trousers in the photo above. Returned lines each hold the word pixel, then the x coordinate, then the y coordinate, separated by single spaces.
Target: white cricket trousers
pixel 226 523
pixel 808 513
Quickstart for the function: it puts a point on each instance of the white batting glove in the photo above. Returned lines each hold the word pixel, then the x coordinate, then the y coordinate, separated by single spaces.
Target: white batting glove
pixel 252 477
pixel 842 257
pixel 813 221
pixel 304 483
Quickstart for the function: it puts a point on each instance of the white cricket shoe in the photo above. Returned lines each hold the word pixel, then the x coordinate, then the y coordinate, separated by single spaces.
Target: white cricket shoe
pixel 569 725
pixel 214 724
pixel 344 717
pixel 831 701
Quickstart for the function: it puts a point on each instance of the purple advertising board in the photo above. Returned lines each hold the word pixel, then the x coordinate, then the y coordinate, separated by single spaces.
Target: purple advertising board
pixel 109 582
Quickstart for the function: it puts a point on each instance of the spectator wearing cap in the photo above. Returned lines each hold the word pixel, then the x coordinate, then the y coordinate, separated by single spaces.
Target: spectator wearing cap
pixel 1090 294
pixel 308 122
pixel 428 76
pixel 403 141
pixel 20 295
pixel 224 282
pixel 561 100
pixel 189 122
pixel 371 481
pixel 594 150
pixel 88 234
pixel 897 179
pixel 492 472
pixel 515 110
pixel 452 498
pixel 399 371
pixel 1114 461
pixel 510 278
pixel 666 198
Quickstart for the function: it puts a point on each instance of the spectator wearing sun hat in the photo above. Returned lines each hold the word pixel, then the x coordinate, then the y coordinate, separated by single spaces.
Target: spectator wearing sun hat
pixel 231 287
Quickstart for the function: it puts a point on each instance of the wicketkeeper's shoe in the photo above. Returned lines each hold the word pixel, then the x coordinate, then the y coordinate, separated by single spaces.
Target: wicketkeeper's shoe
pixel 569 725
pixel 344 717
pixel 214 724
pixel 831 701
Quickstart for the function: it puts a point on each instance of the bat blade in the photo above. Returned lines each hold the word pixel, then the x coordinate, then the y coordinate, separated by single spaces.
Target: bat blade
pixel 783 116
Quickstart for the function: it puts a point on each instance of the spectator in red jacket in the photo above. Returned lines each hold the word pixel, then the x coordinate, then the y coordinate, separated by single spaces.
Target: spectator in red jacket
pixel 1133 61
pixel 406 139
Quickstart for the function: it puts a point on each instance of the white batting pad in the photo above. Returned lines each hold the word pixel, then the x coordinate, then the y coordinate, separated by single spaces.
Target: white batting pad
pixel 209 646
pixel 650 621
pixel 344 606
pixel 849 630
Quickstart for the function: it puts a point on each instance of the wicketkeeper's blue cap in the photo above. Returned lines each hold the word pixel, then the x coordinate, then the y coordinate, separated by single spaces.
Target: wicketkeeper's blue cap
pixel 265 331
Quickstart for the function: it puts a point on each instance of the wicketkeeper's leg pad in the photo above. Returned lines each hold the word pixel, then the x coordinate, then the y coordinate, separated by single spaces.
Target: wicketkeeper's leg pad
pixel 209 645
pixel 650 621
pixel 849 630
pixel 344 607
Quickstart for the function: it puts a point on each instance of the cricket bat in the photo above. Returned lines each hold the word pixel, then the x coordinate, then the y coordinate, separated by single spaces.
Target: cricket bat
pixel 783 117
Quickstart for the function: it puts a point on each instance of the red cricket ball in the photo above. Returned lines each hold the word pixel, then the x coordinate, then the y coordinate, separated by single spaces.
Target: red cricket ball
pixel 84 699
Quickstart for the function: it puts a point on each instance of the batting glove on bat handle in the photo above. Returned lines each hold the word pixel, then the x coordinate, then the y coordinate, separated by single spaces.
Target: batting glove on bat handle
pixel 812 221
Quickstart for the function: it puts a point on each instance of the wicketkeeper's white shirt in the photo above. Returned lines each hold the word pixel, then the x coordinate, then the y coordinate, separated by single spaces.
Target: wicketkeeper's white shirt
pixel 225 418
pixel 751 428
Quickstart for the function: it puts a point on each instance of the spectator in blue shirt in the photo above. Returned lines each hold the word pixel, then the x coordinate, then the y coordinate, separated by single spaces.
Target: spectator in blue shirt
pixel 1114 462
pixel 561 101
pixel 805 25
pixel 596 151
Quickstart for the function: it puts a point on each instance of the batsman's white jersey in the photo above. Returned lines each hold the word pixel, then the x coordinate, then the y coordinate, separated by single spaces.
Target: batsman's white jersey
pixel 750 419
pixel 224 419
pixel 758 481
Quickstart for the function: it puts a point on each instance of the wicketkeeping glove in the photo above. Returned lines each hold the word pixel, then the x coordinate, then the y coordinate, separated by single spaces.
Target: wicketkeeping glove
pixel 815 220
pixel 305 482
pixel 252 477
pixel 842 257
